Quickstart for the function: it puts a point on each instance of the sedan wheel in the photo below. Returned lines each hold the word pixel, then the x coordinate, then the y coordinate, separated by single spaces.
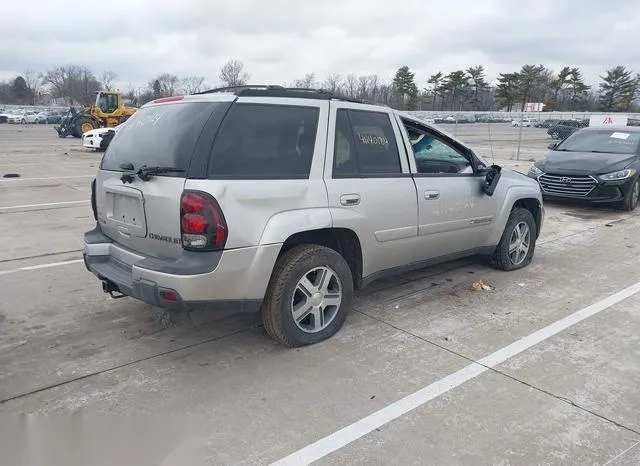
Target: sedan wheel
pixel 631 202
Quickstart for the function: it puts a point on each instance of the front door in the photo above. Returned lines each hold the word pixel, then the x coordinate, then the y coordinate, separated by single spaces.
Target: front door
pixel 454 214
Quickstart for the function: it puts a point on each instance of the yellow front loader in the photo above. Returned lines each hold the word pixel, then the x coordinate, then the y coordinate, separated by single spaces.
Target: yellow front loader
pixel 108 110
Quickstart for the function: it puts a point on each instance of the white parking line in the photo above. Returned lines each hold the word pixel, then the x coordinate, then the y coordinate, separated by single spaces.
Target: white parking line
pixel 46 178
pixel 364 426
pixel 41 266
pixel 47 204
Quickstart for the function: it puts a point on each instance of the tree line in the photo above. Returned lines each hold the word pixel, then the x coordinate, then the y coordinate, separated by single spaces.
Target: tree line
pixel 464 89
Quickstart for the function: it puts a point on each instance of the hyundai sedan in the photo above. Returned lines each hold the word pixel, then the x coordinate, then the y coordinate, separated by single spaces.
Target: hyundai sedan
pixel 595 165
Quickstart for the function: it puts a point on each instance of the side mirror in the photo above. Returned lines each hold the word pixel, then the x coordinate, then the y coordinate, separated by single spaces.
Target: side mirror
pixel 491 179
pixel 552 146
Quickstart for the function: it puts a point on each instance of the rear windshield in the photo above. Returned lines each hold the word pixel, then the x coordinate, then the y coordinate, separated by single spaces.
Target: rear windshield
pixel 162 135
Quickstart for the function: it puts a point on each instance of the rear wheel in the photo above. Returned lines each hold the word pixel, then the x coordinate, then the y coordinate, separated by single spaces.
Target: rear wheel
pixel 633 196
pixel 309 295
pixel 518 241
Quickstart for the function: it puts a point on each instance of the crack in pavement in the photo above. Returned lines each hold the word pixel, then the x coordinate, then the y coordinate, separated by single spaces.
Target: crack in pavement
pixel 130 363
pixel 504 374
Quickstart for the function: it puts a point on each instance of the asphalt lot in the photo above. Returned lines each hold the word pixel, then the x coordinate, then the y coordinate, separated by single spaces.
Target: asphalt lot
pixel 425 371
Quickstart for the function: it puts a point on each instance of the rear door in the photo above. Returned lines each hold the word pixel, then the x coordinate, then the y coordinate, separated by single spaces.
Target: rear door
pixel 369 185
pixel 144 216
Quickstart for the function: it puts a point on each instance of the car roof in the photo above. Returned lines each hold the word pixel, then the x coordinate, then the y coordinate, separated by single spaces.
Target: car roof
pixel 230 93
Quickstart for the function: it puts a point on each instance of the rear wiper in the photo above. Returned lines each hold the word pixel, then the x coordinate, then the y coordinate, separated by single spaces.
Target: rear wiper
pixel 145 172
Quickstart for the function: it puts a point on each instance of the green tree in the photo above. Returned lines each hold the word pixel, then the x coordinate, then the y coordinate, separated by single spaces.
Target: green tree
pixel 436 81
pixel 559 83
pixel 508 90
pixel 617 89
pixel 533 81
pixel 577 89
pixel 405 85
pixel 457 85
pixel 478 84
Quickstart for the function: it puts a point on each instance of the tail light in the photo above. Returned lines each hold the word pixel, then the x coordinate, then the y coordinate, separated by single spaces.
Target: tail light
pixel 202 223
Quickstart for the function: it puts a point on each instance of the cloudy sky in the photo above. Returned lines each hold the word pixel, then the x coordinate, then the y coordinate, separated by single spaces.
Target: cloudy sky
pixel 281 40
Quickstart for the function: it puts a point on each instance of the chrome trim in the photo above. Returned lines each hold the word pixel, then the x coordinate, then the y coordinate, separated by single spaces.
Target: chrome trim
pixel 579 183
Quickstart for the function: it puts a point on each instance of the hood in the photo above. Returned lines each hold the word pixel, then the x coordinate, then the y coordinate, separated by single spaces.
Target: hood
pixel 584 163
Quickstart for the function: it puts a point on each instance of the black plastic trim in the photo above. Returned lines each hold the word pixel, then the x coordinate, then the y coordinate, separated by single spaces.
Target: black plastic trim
pixel 96 236
pixel 481 251
pixel 199 166
pixel 189 263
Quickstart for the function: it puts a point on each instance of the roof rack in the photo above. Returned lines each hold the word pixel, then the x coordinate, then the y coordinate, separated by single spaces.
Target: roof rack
pixel 271 90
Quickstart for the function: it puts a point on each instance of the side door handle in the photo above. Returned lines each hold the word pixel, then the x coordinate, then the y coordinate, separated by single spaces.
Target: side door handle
pixel 431 195
pixel 350 199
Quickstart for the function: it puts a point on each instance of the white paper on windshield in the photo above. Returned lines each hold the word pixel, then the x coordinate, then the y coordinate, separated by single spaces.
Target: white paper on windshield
pixel 620 135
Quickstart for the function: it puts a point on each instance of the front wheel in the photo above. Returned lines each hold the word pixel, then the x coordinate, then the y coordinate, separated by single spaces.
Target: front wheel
pixel 309 295
pixel 518 241
pixel 631 201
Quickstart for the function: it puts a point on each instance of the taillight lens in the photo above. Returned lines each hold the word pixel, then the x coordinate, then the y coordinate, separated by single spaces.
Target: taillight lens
pixel 202 223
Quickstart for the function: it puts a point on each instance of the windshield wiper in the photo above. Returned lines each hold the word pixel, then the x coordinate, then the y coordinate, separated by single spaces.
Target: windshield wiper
pixel 145 172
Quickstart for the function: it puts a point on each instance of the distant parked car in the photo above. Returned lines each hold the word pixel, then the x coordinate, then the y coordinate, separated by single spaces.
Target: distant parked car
pixel 4 116
pixel 525 122
pixel 99 138
pixel 565 128
pixel 17 117
pixel 548 123
pixel 54 117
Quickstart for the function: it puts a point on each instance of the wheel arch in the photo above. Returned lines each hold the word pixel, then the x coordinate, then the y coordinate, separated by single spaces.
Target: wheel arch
pixel 342 240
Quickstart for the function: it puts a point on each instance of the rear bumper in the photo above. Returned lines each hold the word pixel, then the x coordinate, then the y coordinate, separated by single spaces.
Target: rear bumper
pixel 234 280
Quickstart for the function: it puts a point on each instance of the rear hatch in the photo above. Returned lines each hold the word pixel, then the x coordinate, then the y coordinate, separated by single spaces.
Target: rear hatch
pixel 137 204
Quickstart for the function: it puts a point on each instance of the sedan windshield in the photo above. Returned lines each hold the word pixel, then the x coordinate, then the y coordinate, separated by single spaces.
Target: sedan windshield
pixel 608 141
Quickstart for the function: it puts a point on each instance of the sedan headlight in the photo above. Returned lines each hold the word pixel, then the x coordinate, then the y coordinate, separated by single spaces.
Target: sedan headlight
pixel 535 171
pixel 619 175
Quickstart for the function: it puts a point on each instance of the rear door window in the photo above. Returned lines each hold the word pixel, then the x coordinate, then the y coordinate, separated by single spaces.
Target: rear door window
pixel 365 145
pixel 160 135
pixel 265 141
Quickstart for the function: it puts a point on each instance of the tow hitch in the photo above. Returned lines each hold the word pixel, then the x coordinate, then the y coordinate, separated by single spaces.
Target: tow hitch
pixel 110 288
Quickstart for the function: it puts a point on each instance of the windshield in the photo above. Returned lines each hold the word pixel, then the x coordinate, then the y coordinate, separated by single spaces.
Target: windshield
pixel 162 135
pixel 609 141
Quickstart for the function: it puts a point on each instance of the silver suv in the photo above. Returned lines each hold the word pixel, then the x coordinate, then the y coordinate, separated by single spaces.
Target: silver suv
pixel 285 201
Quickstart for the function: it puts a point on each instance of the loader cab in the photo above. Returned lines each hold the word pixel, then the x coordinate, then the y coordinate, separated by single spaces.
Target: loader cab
pixel 107 102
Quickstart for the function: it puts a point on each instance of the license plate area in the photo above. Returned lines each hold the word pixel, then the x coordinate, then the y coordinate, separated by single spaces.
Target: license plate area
pixel 125 211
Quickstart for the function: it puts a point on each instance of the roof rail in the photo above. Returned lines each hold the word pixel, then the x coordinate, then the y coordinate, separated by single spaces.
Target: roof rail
pixel 271 90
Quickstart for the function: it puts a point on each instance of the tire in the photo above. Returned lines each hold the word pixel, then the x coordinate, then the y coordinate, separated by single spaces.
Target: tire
pixel 555 135
pixel 631 200
pixel 502 259
pixel 283 291
pixel 82 125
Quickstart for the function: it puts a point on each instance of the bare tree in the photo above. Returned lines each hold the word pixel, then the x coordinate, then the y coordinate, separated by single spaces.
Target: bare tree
pixel 192 84
pixel 352 85
pixel 333 83
pixel 74 83
pixel 108 79
pixel 233 74
pixel 34 83
pixel 307 82
pixel 165 85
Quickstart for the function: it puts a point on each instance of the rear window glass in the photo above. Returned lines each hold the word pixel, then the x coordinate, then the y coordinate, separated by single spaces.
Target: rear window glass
pixel 262 141
pixel 162 135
